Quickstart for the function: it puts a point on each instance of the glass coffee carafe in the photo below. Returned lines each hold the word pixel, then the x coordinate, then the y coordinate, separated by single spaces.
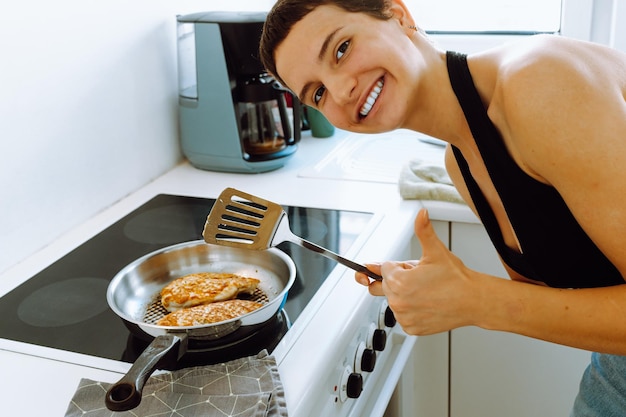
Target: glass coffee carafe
pixel 264 121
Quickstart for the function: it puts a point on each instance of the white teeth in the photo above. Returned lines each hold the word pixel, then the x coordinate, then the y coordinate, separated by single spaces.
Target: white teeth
pixel 371 99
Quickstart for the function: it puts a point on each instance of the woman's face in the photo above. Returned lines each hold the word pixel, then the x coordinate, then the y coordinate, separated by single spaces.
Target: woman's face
pixel 357 70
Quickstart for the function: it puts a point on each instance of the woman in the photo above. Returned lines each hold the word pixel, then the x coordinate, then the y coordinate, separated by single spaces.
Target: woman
pixel 537 148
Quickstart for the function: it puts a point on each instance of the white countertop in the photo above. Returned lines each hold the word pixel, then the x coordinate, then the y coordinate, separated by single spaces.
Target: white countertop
pixel 36 385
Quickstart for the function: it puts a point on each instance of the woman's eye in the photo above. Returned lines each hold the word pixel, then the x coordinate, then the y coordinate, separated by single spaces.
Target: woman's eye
pixel 342 49
pixel 318 94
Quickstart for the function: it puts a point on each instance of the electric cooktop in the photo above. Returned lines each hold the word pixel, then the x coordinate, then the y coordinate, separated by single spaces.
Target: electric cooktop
pixel 64 306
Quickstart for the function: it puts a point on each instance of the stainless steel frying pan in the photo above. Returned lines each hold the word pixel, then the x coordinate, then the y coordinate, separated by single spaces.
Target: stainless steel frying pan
pixel 133 294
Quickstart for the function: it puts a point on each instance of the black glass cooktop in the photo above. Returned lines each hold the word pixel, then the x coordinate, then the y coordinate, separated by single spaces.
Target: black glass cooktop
pixel 64 306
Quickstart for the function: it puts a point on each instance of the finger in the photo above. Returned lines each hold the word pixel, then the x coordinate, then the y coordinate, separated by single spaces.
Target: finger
pixel 374 267
pixel 390 267
pixel 424 231
pixel 394 274
pixel 376 288
pixel 409 264
pixel 362 278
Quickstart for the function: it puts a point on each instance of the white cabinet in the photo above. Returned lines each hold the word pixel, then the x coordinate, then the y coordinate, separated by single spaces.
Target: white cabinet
pixel 495 374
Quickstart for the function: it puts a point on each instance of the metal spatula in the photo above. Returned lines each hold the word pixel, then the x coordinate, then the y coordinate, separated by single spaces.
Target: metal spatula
pixel 245 221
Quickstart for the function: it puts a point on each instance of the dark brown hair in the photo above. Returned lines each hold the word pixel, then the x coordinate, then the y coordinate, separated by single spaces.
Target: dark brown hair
pixel 286 13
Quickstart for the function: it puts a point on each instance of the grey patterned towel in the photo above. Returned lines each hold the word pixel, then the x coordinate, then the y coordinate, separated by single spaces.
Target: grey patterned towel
pixel 246 387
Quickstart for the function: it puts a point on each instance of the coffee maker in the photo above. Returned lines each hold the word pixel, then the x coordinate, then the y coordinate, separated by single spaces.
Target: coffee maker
pixel 233 115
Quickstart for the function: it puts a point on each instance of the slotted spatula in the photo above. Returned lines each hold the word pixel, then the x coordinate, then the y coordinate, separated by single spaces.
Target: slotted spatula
pixel 245 221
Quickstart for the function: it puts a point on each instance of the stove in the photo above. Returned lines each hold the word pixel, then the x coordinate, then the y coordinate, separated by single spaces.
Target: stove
pixel 64 306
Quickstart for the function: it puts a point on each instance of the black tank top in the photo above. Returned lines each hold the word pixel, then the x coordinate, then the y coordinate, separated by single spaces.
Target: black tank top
pixel 555 249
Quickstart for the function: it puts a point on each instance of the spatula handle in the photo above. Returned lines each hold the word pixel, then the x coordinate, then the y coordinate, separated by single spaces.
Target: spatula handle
pixel 332 255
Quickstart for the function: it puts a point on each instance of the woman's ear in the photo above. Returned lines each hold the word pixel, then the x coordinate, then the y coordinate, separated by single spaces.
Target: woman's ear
pixel 400 12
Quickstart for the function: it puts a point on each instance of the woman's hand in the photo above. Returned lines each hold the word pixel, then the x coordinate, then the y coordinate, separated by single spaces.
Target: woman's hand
pixel 431 295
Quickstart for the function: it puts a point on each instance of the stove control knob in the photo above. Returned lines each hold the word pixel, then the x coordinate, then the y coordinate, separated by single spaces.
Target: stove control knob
pixel 376 338
pixel 350 385
pixel 390 319
pixel 379 340
pixel 365 359
pixel 385 316
pixel 354 386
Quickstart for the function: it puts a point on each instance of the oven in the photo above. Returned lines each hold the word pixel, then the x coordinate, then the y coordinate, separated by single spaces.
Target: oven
pixel 339 350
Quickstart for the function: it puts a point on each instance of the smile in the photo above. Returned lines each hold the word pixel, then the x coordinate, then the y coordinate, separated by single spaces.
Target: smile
pixel 371 99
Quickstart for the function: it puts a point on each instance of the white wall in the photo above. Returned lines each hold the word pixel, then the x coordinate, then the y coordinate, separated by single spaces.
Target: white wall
pixel 600 21
pixel 88 96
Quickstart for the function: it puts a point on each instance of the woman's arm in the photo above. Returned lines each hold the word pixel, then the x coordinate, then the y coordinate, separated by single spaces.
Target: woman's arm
pixel 440 293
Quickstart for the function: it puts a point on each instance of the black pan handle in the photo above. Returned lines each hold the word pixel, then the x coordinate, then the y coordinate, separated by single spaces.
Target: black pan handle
pixel 126 393
pixel 336 257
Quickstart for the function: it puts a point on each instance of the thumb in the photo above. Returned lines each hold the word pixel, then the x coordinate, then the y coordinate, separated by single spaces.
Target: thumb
pixel 424 231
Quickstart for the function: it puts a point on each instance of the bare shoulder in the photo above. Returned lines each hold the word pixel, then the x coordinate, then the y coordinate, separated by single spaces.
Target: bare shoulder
pixel 551 94
pixel 546 71
pixel 550 56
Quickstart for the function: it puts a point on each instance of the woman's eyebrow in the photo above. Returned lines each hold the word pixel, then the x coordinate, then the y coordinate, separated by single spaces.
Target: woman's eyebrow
pixel 320 56
pixel 327 42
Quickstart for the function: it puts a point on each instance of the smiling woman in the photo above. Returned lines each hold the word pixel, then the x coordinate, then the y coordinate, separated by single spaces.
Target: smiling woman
pixel 519 121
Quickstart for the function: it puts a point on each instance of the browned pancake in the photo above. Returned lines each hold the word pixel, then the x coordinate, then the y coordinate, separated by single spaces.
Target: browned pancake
pixel 203 288
pixel 209 313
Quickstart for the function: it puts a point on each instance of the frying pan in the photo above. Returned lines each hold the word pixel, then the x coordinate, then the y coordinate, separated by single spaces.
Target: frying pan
pixel 133 295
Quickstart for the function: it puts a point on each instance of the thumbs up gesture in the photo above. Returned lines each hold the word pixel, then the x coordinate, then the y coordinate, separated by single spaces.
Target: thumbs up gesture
pixel 432 295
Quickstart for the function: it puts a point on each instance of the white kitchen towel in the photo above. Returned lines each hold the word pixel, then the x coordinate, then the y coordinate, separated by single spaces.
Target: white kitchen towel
pixel 420 180
pixel 246 387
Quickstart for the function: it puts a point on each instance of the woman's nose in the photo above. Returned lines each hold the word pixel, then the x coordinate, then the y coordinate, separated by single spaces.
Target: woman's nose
pixel 342 88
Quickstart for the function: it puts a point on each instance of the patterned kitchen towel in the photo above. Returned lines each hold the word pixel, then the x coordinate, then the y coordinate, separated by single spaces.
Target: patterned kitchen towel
pixel 245 387
pixel 420 180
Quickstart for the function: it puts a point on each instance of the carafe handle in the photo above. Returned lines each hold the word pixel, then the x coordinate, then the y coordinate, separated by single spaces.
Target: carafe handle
pixel 297 117
pixel 284 118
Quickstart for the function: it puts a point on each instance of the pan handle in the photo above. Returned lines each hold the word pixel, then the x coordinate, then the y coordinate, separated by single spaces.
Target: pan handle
pixel 126 394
